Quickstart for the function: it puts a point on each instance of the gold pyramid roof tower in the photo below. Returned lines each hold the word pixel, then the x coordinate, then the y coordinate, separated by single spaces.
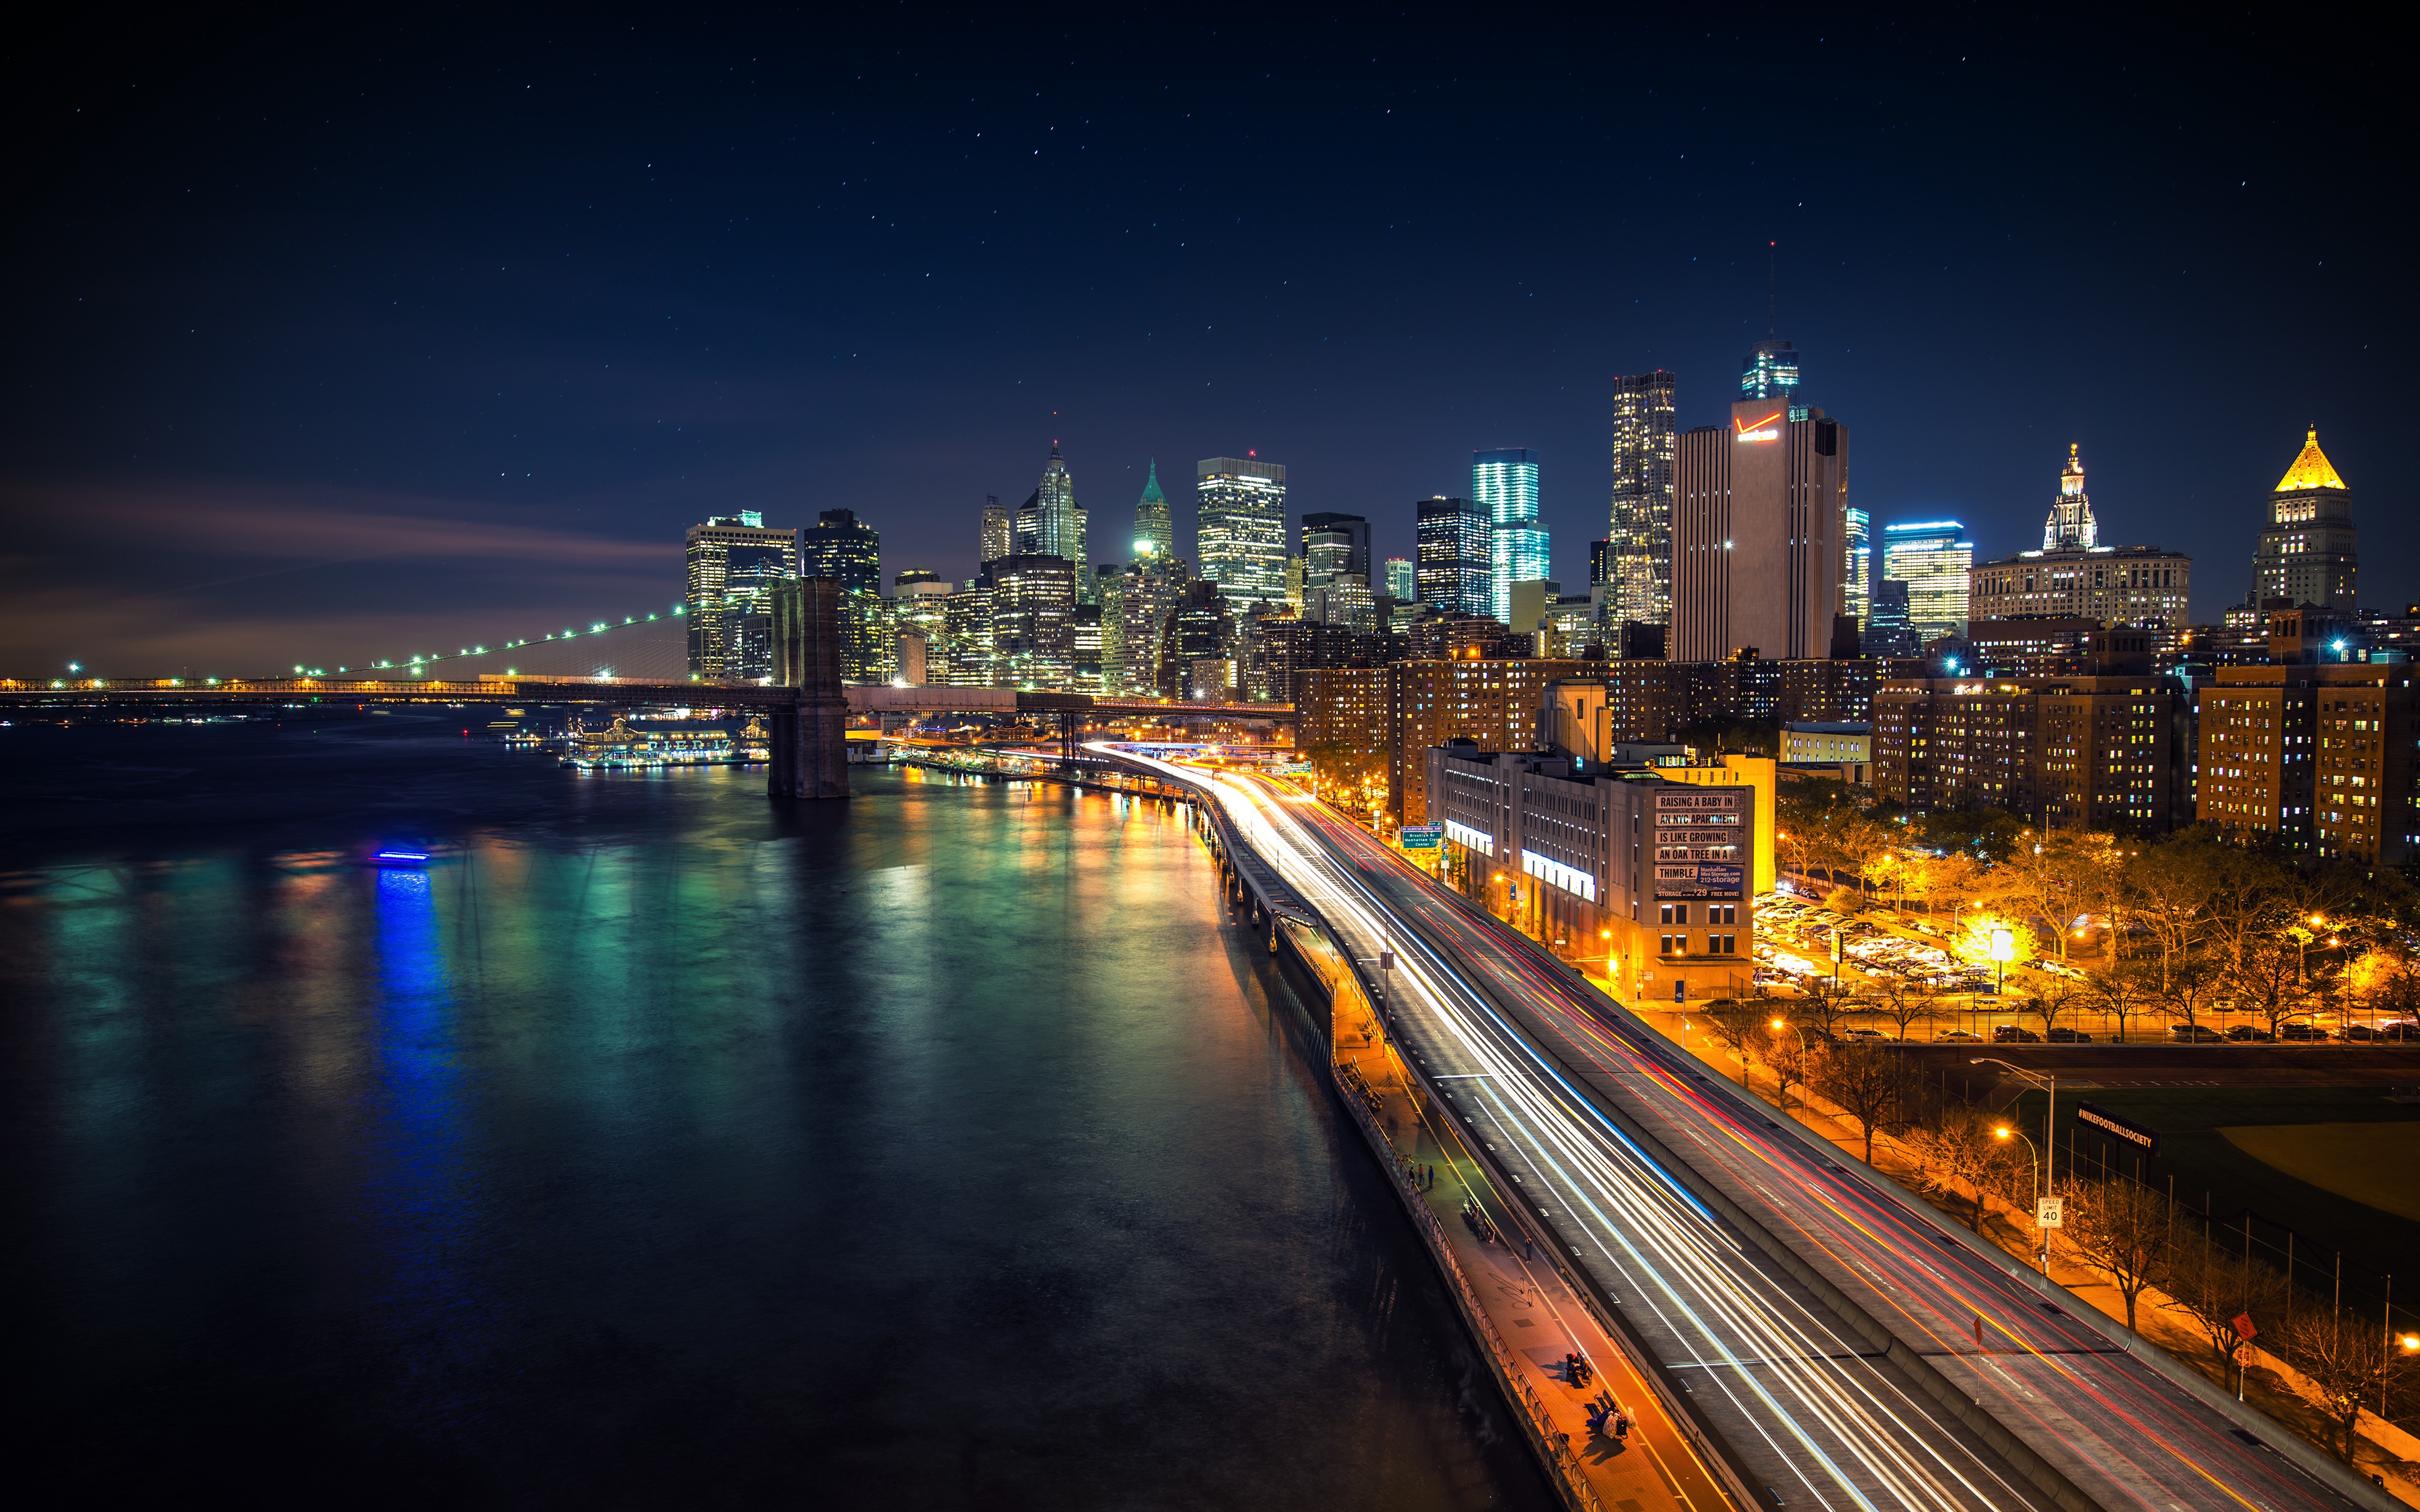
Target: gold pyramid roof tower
pixel 2311 470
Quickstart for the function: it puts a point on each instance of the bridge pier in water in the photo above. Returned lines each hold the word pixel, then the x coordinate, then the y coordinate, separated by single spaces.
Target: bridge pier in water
pixel 809 754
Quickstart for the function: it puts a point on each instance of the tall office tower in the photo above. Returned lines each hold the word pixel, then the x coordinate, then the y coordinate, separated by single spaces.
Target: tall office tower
pixel 1887 631
pixel 1298 581
pixel 2070 526
pixel 1201 634
pixel 1034 622
pixel 997 539
pixel 1110 592
pixel 1154 535
pixel 1353 525
pixel 2306 549
pixel 1153 589
pixel 1457 549
pixel 1401 581
pixel 1857 563
pixel 1242 533
pixel 969 631
pixel 733 564
pixel 1504 483
pixel 1938 567
pixel 1644 444
pixel 1051 523
pixel 1600 563
pixel 840 545
pixel 1770 371
pixel 1756 527
pixel 1327 554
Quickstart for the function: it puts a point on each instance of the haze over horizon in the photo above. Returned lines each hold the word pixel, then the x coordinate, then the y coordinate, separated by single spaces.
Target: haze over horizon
pixel 336 341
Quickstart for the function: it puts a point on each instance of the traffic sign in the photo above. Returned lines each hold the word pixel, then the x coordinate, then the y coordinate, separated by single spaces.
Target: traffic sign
pixel 2050 1213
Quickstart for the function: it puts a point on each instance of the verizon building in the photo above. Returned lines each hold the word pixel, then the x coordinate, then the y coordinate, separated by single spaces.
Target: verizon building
pixel 1759 534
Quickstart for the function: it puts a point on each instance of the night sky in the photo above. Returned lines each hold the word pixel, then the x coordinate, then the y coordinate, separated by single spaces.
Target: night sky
pixel 330 341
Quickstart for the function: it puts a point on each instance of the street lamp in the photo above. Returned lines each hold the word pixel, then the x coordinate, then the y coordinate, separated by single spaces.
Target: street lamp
pixel 2042 1255
pixel 1780 1025
pixel 2049 1084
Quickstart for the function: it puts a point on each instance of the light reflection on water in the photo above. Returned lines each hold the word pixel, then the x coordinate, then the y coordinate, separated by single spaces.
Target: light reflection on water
pixel 657 1144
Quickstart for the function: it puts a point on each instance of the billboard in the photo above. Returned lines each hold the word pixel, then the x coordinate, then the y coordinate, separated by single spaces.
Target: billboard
pixel 2141 1138
pixel 1700 879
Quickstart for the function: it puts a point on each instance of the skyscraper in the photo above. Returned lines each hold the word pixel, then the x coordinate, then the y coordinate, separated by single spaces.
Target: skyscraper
pixel 1353 525
pixel 1155 536
pixel 1034 622
pixel 1856 564
pixel 2307 551
pixel 1770 371
pixel 2070 525
pixel 840 545
pixel 1643 449
pixel 1887 632
pixel 1756 527
pixel 997 537
pixel 1053 523
pixel 1929 556
pixel 1457 551
pixel 1402 582
pixel 1154 587
pixel 1243 534
pixel 734 562
pixel 1504 483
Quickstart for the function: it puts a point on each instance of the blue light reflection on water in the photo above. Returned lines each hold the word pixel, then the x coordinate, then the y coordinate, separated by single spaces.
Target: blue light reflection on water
pixel 421 1194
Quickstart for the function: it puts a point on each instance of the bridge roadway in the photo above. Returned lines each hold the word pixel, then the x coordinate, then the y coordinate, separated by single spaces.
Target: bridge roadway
pixel 614 691
pixel 1843 1347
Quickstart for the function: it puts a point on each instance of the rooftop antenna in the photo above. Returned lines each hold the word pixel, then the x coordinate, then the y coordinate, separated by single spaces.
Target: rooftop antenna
pixel 1772 282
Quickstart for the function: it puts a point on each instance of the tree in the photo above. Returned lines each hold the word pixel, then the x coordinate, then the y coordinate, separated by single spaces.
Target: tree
pixel 1824 1003
pixel 2125 990
pixel 1735 1021
pixel 2048 999
pixel 2194 984
pixel 1869 1082
pixel 2213 1283
pixel 2348 1359
pixel 1903 998
pixel 2119 1228
pixel 1786 1051
pixel 1961 1152
pixel 2265 977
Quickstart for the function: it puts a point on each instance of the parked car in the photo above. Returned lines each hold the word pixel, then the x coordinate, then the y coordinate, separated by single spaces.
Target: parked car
pixel 1961 1037
pixel 2246 1031
pixel 2195 1034
pixel 2068 1037
pixel 1863 1034
pixel 2010 1034
pixel 2300 1030
pixel 2402 1030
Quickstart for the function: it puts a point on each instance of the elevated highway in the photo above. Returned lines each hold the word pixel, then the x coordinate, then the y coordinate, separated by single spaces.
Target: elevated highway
pixel 1835 1341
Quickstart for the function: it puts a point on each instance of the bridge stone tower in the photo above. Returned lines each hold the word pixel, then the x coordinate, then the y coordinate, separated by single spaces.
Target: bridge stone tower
pixel 809 746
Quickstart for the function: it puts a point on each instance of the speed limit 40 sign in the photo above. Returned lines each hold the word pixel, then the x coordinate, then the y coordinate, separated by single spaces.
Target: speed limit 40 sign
pixel 2049 1212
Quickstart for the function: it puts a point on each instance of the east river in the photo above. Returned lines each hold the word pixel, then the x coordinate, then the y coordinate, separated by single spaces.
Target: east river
pixel 657 1145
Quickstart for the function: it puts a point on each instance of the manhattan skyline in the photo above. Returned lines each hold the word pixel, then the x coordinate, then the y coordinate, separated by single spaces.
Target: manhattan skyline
pixel 381 354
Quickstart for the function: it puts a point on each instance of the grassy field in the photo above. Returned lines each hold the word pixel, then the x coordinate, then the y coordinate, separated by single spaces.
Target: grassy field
pixel 2326 1218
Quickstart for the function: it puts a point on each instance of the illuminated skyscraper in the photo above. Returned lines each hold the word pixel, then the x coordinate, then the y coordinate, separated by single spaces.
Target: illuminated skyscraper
pixel 1353 525
pixel 1643 449
pixel 1034 622
pixel 1757 525
pixel 997 539
pixel 1930 557
pixel 1504 483
pixel 2070 525
pixel 1457 547
pixel 1051 524
pixel 1243 534
pixel 1770 371
pixel 840 545
pixel 1402 581
pixel 1155 536
pixel 734 562
pixel 2307 551
pixel 1856 564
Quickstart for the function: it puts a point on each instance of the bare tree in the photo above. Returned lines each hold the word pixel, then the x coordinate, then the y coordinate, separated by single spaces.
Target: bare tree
pixel 1869 1082
pixel 1823 1004
pixel 2213 1283
pixel 2120 1229
pixel 1961 1152
pixel 1735 1021
pixel 2350 1362
pixel 1902 998
pixel 2048 999
pixel 2125 990
pixel 2194 983
pixel 1786 1051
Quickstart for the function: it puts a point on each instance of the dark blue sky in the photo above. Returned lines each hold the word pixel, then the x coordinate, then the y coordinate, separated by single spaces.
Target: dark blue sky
pixel 331 341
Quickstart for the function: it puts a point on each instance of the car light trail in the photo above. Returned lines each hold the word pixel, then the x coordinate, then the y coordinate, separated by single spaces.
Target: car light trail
pixel 1800 1396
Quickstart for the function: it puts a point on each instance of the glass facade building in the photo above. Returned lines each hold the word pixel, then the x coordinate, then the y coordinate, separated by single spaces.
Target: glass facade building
pixel 1504 483
pixel 1243 533
pixel 1457 556
pixel 1643 451
pixel 1856 564
pixel 1930 557
pixel 1355 527
pixel 1402 581
pixel 1154 535
pixel 1770 371
pixel 734 562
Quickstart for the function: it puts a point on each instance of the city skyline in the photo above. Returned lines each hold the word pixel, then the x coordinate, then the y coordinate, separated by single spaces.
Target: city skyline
pixel 486 378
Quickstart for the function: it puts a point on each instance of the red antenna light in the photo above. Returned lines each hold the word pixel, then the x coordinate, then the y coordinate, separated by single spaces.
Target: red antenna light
pixel 1252 454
